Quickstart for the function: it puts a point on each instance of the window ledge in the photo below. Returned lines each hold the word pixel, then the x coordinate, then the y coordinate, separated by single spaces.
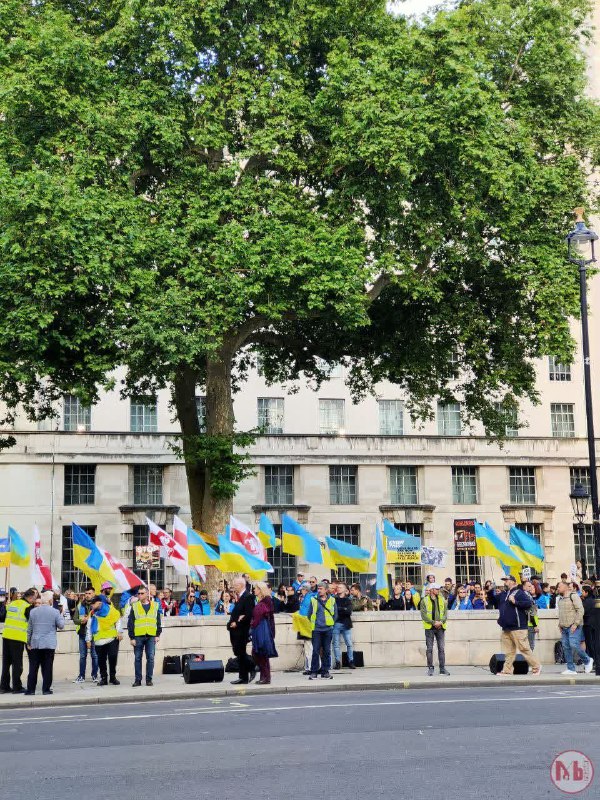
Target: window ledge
pixel 525 506
pixel 406 506
pixel 128 509
pixel 301 509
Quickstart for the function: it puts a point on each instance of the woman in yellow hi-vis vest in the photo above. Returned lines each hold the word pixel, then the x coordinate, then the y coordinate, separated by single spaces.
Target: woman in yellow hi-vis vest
pixel 104 629
pixel 14 639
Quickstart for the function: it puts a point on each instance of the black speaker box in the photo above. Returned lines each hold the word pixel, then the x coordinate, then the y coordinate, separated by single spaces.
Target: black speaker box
pixel 191 657
pixel 357 657
pixel 203 671
pixel 520 666
pixel 172 665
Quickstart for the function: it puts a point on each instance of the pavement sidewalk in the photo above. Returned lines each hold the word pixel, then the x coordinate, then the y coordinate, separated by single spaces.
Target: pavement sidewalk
pixel 172 687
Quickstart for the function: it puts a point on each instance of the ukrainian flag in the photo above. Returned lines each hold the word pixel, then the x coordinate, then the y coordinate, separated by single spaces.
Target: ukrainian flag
pixel 199 552
pixel 19 552
pixel 234 558
pixel 409 541
pixel 266 532
pixel 382 585
pixel 90 560
pixel 490 544
pixel 527 548
pixel 299 542
pixel 5 553
pixel 350 555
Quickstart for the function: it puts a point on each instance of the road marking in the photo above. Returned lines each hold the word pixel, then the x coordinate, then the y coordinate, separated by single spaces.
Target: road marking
pixel 311 706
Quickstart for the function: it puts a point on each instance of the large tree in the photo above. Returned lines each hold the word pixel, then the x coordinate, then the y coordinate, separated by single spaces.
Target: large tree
pixel 187 183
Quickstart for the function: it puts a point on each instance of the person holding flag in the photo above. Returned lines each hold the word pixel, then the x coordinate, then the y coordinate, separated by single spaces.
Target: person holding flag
pixel 81 617
pixel 104 630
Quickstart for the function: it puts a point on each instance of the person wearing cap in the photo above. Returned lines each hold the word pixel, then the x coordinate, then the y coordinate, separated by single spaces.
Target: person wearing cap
pixel 144 629
pixel 434 613
pixel 298 582
pixel 513 605
pixel 106 589
pixel 323 616
pixel 104 629
pixel 14 639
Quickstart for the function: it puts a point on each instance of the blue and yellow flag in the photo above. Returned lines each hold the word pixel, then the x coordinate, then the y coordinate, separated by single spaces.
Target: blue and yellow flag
pixel 490 544
pixel 400 547
pixel 199 552
pixel 19 552
pixel 350 555
pixel 382 585
pixel 299 542
pixel 234 558
pixel 266 532
pixel 90 560
pixel 5 553
pixel 527 548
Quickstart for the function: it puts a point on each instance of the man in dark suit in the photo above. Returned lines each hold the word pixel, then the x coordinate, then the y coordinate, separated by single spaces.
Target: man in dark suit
pixel 239 630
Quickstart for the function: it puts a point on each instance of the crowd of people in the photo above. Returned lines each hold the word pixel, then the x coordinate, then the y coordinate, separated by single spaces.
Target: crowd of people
pixel 31 620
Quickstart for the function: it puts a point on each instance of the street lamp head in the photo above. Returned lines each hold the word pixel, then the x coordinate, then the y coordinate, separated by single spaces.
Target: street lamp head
pixel 579 239
pixel 579 500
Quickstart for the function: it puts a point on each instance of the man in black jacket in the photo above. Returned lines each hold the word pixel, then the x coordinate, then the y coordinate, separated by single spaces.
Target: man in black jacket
pixel 239 630
pixel 343 626
pixel 514 604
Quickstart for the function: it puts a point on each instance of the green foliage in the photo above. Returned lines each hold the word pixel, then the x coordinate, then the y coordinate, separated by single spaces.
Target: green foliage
pixel 184 182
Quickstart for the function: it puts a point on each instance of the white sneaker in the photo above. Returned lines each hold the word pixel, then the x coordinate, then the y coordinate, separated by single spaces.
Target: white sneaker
pixel 79 679
pixel 569 672
pixel 589 666
pixel 95 679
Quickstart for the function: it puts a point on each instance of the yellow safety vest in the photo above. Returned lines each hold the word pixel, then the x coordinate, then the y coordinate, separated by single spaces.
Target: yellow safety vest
pixel 145 624
pixel 329 612
pixel 107 626
pixel 15 626
pixel 429 607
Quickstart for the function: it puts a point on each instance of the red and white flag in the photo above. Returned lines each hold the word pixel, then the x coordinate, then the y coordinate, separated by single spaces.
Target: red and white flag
pixel 40 571
pixel 242 534
pixel 127 579
pixel 170 549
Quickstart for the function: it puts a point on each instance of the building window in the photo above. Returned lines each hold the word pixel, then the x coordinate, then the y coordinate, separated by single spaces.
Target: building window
pixel 279 486
pixel 144 418
pixel 467 566
pixel 201 411
pixel 76 417
pixel 410 572
pixel 522 485
pixel 329 370
pixel 80 484
pixel 448 417
pixel 534 529
pixel 511 418
pixel 580 475
pixel 563 420
pixel 147 485
pixel 557 371
pixel 343 486
pixel 70 576
pixel 140 539
pixel 270 414
pixel 331 416
pixel 285 566
pixel 391 417
pixel 403 486
pixel 464 485
pixel 588 549
pixel 350 534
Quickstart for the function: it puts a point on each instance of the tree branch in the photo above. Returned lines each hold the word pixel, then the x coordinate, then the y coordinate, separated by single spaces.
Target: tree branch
pixel 383 280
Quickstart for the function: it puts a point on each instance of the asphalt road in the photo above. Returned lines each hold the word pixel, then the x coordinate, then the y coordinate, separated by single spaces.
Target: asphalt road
pixel 450 743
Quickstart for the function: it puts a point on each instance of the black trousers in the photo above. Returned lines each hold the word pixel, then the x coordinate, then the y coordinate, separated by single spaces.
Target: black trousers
pixel 43 658
pixel 108 652
pixel 12 659
pixel 246 664
pixel 588 636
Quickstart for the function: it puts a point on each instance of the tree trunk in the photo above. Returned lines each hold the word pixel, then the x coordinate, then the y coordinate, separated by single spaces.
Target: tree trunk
pixel 219 422
pixel 184 398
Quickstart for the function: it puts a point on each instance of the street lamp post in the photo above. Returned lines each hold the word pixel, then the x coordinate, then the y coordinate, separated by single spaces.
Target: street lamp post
pixel 579 500
pixel 580 243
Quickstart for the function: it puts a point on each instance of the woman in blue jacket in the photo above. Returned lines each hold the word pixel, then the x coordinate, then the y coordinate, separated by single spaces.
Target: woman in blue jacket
pixel 195 606
pixel 463 601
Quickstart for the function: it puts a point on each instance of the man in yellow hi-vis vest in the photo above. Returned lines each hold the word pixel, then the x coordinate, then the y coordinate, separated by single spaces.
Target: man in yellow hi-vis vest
pixel 434 613
pixel 144 628
pixel 14 639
